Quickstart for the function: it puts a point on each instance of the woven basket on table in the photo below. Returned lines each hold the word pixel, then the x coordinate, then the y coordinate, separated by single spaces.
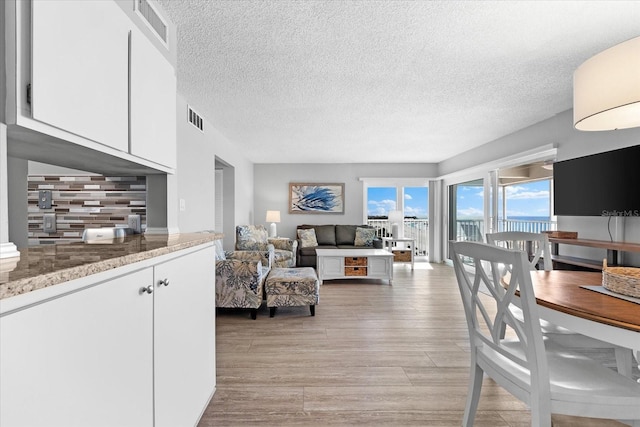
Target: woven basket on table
pixel 623 280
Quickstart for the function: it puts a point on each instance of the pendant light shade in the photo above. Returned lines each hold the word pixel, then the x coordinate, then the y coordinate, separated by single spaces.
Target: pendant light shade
pixel 606 89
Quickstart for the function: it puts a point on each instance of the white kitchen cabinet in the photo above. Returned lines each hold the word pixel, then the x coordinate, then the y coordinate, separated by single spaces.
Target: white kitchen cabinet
pixel 87 88
pixel 80 69
pixel 106 352
pixel 83 359
pixel 153 103
pixel 184 331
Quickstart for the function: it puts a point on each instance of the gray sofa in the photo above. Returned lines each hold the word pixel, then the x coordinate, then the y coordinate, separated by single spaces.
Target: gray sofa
pixel 330 236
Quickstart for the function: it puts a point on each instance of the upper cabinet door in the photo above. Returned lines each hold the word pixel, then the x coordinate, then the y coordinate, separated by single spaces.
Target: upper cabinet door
pixel 80 69
pixel 153 103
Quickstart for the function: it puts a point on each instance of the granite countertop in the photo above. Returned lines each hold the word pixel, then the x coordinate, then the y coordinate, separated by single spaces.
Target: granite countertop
pixel 47 265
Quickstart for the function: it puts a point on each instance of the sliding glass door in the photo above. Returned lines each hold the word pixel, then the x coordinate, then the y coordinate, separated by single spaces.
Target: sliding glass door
pixel 509 199
pixel 466 211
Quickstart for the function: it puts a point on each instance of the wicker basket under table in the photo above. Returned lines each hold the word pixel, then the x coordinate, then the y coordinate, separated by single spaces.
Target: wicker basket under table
pixel 623 280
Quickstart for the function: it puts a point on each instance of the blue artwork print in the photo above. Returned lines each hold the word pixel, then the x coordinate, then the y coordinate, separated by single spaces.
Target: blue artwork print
pixel 319 198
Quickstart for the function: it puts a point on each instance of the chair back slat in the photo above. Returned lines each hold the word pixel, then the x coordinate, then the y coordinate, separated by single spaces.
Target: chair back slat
pixel 485 289
pixel 535 245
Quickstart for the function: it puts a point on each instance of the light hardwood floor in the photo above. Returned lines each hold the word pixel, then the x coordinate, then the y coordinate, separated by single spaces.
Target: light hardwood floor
pixel 373 355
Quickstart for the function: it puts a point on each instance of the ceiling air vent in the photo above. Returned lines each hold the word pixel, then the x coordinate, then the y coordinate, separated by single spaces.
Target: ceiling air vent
pixel 152 18
pixel 195 119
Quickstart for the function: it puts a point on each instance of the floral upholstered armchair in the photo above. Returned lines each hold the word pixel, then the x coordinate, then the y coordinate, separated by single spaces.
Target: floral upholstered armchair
pixel 254 238
pixel 240 277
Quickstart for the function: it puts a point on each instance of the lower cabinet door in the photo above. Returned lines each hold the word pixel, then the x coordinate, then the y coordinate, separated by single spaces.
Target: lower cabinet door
pixel 82 359
pixel 184 337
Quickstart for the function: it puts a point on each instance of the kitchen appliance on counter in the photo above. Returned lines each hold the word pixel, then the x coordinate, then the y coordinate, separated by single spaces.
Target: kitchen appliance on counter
pixel 106 235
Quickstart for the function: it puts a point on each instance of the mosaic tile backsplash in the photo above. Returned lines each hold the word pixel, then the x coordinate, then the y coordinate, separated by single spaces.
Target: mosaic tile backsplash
pixel 81 202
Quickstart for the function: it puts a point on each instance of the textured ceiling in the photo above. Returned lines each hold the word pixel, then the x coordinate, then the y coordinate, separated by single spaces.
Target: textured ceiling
pixel 384 81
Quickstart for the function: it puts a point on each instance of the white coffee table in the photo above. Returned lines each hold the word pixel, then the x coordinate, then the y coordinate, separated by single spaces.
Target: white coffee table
pixel 354 264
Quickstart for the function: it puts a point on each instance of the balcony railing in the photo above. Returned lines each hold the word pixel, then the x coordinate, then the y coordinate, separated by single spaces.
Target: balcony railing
pixel 417 229
pixel 470 230
pixel 530 226
pixel 466 229
pixel 473 229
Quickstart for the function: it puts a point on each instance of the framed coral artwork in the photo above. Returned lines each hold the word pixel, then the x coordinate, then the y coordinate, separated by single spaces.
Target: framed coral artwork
pixel 312 198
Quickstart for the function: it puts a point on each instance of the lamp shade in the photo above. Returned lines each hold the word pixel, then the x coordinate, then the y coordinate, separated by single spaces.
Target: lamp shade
pixel 273 216
pixel 606 89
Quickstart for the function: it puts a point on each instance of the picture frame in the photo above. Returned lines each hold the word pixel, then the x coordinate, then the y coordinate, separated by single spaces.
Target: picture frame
pixel 316 198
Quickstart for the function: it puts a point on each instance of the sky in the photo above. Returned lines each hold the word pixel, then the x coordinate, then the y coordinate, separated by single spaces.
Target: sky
pixel 381 200
pixel 528 199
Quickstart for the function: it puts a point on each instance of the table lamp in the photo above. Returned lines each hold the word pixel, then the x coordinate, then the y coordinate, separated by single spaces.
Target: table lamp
pixel 396 221
pixel 273 217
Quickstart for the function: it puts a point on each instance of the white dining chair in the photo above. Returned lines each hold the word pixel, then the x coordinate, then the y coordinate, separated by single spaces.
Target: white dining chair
pixel 536 245
pixel 538 250
pixel 546 376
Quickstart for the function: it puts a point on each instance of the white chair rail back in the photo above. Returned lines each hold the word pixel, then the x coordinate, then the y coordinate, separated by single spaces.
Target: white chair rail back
pixel 546 376
pixel 536 245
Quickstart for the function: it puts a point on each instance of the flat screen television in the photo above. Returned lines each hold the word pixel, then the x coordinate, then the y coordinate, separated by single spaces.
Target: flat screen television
pixel 604 184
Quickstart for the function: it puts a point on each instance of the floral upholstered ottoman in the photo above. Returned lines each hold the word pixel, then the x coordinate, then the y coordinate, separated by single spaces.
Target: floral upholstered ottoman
pixel 290 287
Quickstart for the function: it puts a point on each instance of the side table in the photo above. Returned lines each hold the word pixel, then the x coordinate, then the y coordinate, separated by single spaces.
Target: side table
pixel 400 255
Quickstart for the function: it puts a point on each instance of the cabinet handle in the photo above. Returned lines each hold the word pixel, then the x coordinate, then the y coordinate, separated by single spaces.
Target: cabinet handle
pixel 146 290
pixel 164 282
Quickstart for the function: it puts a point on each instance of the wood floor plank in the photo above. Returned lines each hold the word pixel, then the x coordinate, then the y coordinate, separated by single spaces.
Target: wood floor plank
pixel 265 398
pixel 404 398
pixel 373 355
pixel 326 359
pixel 349 418
pixel 283 375
pixel 292 346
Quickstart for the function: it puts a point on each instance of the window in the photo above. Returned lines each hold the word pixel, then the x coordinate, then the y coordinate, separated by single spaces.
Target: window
pixel 380 200
pixel 467 211
pixel 526 206
pixel 416 202
pixel 412 201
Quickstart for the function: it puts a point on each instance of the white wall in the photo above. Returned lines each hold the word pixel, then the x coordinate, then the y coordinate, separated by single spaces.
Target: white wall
pixel 37 168
pixel 570 143
pixel 271 187
pixel 195 175
pixel 3 60
pixel 17 171
pixel 557 130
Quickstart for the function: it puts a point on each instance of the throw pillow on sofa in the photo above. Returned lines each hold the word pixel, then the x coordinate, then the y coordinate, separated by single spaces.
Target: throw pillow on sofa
pixel 307 238
pixel 364 236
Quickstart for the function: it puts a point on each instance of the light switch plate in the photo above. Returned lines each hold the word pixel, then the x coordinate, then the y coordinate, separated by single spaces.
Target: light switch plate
pixel 133 222
pixel 49 223
pixel 44 199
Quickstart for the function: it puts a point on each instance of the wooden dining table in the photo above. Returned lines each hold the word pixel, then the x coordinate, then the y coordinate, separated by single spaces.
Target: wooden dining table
pixel 561 300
